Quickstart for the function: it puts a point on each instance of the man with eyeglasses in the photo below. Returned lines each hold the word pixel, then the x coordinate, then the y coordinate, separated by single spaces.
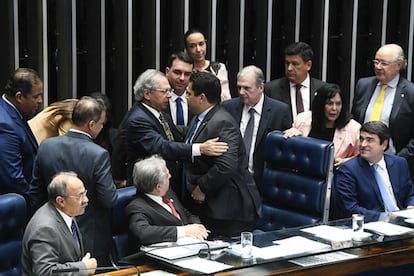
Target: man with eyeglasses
pixel 75 151
pixel 388 97
pixel 297 88
pixel 373 182
pixel 52 239
pixel 147 130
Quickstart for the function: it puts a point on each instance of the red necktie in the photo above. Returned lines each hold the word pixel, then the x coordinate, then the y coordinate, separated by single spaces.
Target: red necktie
pixel 299 102
pixel 170 204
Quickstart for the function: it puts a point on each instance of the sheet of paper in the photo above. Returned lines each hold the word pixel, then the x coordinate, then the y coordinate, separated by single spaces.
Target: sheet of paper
pixel 323 258
pixel 289 247
pixel 202 265
pixel 409 213
pixel 331 233
pixel 387 229
pixel 157 273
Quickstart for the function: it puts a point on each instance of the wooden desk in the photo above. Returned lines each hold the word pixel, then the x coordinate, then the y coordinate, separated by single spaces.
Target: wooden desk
pixel 372 257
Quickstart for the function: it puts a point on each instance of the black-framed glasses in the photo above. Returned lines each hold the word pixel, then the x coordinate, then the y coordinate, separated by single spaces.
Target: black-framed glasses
pixel 79 196
pixel 377 62
pixel 163 91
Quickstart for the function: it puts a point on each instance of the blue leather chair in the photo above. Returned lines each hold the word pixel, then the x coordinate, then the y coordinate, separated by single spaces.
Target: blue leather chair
pixel 12 221
pixel 119 225
pixel 297 182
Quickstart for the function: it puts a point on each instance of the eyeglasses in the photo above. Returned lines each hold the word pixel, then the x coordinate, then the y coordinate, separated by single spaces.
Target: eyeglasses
pixel 382 63
pixel 163 91
pixel 79 196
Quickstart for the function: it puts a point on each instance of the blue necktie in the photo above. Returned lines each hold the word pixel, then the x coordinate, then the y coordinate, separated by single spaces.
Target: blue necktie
pixel 389 204
pixel 192 130
pixel 74 232
pixel 180 112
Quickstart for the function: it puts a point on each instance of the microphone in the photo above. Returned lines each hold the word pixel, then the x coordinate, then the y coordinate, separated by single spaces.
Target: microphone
pixel 100 268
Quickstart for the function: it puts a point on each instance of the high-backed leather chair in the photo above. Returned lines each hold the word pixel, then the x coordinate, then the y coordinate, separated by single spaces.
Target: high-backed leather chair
pixel 297 181
pixel 120 226
pixel 12 221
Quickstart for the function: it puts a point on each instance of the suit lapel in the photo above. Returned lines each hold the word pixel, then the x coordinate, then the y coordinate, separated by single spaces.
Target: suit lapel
pixel 205 121
pixel 394 177
pixel 398 100
pixel 368 95
pixel 264 121
pixel 370 179
pixel 161 210
pixel 285 87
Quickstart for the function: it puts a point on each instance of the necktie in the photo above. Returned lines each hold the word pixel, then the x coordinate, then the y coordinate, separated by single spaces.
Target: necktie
pixel 74 232
pixel 180 112
pixel 299 101
pixel 248 133
pixel 167 201
pixel 192 130
pixel 389 204
pixel 166 128
pixel 379 103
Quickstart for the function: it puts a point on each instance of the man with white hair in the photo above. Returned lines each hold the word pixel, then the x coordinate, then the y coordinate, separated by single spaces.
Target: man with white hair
pixel 389 98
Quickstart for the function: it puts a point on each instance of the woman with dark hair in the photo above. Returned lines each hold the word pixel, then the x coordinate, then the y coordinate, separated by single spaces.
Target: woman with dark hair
pixel 329 120
pixel 195 44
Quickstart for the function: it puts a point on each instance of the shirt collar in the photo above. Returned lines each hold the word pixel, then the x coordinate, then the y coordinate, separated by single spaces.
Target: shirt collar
pixel 392 83
pixel 257 108
pixel 12 105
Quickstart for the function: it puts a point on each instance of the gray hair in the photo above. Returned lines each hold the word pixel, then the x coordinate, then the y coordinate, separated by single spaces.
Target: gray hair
pixel 258 73
pixel 146 80
pixel 398 53
pixel 148 173
pixel 58 185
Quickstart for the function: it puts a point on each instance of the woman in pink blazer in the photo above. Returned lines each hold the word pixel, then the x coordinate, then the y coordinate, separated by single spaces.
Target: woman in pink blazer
pixel 329 120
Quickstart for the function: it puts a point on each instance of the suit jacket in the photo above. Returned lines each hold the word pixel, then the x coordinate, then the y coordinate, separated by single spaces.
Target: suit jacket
pixel 275 115
pixel 78 153
pixel 18 149
pixel 150 223
pixel 401 121
pixel 357 192
pixel 346 139
pixel 48 244
pixel 145 136
pixel 231 193
pixel 279 89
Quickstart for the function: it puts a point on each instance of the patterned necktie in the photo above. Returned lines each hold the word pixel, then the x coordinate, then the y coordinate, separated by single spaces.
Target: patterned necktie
pixel 180 112
pixel 167 201
pixel 389 204
pixel 299 101
pixel 379 104
pixel 166 128
pixel 248 133
pixel 74 232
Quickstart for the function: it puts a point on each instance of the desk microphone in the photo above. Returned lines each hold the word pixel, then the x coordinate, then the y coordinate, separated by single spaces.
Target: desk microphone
pixel 99 268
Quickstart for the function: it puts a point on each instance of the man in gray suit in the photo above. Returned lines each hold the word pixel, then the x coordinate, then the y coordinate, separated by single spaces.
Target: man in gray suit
pixel 297 88
pixel 268 115
pixel 397 109
pixel 77 152
pixel 222 190
pixel 49 241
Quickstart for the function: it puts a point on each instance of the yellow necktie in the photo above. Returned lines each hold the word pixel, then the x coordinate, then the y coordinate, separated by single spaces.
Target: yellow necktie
pixel 379 103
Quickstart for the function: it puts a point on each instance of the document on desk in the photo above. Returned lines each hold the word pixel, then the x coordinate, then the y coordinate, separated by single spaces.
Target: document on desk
pixel 387 229
pixel 173 251
pixel 202 265
pixel 408 213
pixel 330 233
pixel 290 247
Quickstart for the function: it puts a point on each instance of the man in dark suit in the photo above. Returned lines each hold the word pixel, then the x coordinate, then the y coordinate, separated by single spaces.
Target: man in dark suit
pixel 223 191
pixel 268 115
pixel 178 72
pixel 397 110
pixel 75 151
pixel 151 218
pixel 52 239
pixel 297 88
pixel 149 130
pixel 21 99
pixel 373 182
